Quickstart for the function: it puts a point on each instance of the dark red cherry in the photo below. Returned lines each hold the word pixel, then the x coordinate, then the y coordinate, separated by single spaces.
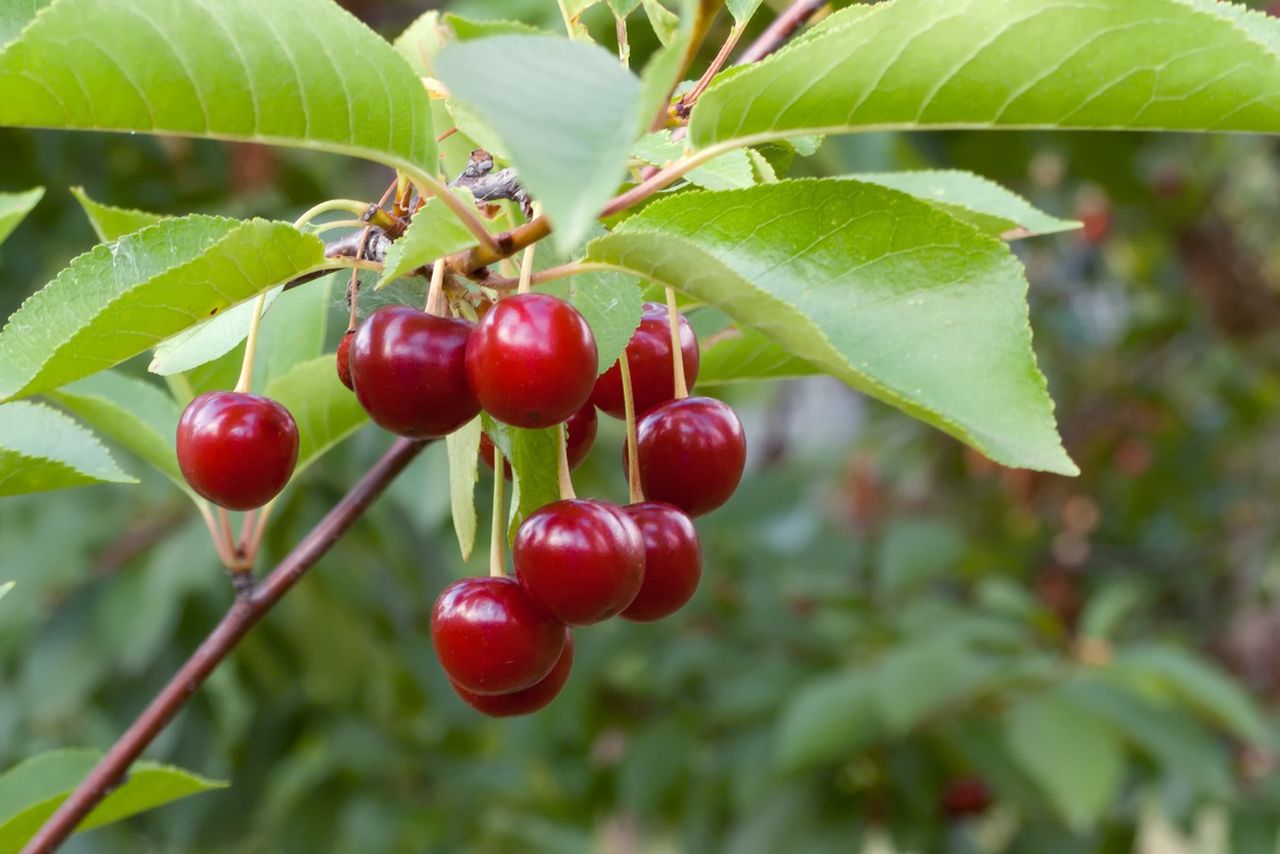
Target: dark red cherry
pixel 532 360
pixel 491 638
pixel 409 371
pixel 966 797
pixel 692 452
pixel 581 428
pixel 649 358
pixel 527 701
pixel 672 560
pixel 344 358
pixel 581 560
pixel 237 450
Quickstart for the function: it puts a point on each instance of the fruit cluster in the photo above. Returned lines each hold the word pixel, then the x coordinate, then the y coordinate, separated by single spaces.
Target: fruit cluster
pixel 531 362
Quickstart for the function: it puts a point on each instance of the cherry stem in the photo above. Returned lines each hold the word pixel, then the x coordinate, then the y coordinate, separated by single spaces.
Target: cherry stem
pixel 353 289
pixel 624 47
pixel 633 452
pixel 526 270
pixel 350 206
pixel 436 293
pixel 499 533
pixel 221 545
pixel 251 346
pixel 677 353
pixel 691 97
pixel 566 480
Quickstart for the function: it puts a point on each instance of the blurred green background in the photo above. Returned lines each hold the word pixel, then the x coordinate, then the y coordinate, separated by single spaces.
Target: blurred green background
pixel 897 644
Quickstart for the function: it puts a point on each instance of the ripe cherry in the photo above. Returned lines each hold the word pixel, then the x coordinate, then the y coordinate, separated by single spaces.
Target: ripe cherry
pixel 491 638
pixel 692 453
pixel 237 450
pixel 649 358
pixel 532 360
pixel 966 797
pixel 409 371
pixel 344 358
pixel 672 560
pixel 581 430
pixel 527 701
pixel 581 560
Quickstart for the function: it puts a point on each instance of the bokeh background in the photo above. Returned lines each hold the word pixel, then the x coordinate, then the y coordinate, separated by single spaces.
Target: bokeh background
pixel 897 645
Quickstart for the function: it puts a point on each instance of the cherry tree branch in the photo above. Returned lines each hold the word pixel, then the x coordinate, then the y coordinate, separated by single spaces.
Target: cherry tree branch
pixel 780 29
pixel 244 613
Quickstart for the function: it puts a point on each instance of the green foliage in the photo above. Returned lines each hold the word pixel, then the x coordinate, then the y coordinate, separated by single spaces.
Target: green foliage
pixel 42 449
pixel 14 207
pixel 611 303
pixel 111 223
pixel 744 355
pixel 326 410
pixel 464 472
pixel 534 483
pixel 434 233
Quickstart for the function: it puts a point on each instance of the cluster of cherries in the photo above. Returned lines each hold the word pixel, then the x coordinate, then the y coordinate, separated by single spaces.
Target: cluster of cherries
pixel 530 362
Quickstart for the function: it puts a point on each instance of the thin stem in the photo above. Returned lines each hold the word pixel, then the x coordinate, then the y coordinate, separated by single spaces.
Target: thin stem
pixel 499 533
pixel 633 453
pixel 624 46
pixel 722 56
pixel 435 293
pixel 246 529
pixel 561 271
pixel 353 288
pixel 677 353
pixel 224 548
pixel 251 346
pixel 526 270
pixel 569 27
pixel 350 206
pixel 781 29
pixel 705 13
pixel 243 615
pixel 259 528
pixel 340 223
pixel 446 134
pixel 566 480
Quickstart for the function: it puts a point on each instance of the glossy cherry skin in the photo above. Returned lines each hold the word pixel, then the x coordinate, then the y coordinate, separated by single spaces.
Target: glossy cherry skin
pixel 491 638
pixel 237 450
pixel 649 358
pixel 344 358
pixel 527 701
pixel 672 560
pixel 692 453
pixel 532 360
pixel 581 560
pixel 409 371
pixel 581 430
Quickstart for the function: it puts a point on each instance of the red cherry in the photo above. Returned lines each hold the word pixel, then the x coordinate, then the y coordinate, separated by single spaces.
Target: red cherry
pixel 581 560
pixel 649 358
pixel 527 701
pixel 581 429
pixel 409 372
pixel 966 797
pixel 237 450
pixel 532 360
pixel 344 358
pixel 491 638
pixel 672 560
pixel 692 453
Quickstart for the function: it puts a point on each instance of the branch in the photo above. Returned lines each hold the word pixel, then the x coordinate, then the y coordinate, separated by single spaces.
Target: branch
pixel 243 614
pixel 782 28
pixel 486 187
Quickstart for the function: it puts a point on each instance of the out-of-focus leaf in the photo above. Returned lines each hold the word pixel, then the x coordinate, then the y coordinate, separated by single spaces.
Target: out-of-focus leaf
pixel 464 473
pixel 42 449
pixel 326 410
pixel 665 23
pixel 744 355
pixel 109 222
pixel 1105 612
pixel 206 341
pixel 5 588
pixel 829 719
pixel 919 680
pixel 14 207
pixel 534 458
pixel 610 302
pixel 729 171
pixel 468 30
pixel 914 551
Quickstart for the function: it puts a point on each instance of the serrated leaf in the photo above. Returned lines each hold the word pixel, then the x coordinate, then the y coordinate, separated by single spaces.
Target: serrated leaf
pixel 133 413
pixel 828 720
pixel 111 223
pixel 303 73
pixel 326 410
pixel 1107 64
pixel 566 112
pixel 464 473
pixel 742 10
pixel 32 790
pixel 612 304
pixel 209 339
pixel 16 14
pixel 1076 759
pixel 884 291
pixel 421 41
pixel 468 30
pixel 42 449
pixel 975 200
pixel 729 171
pixel 534 458
pixel 15 206
pixel 665 23
pixel 744 355
pixel 118 299
pixel 434 233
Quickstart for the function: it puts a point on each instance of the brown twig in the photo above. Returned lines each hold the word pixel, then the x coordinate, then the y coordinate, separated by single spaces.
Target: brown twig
pixel 241 617
pixel 782 28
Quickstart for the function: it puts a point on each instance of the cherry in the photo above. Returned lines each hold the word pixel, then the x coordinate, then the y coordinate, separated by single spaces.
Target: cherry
pixel 532 360
pixel 409 371
pixel 344 358
pixel 528 700
pixel 581 430
pixel 672 560
pixel 966 797
pixel 581 560
pixel 237 450
pixel 492 638
pixel 649 358
pixel 692 452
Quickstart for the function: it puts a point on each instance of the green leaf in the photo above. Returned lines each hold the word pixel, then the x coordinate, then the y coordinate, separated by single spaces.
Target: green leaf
pixel 612 304
pixel 622 8
pixel 209 339
pixel 111 223
pixel 293 331
pixel 133 413
pixel 975 200
pixel 1074 757
pixel 14 207
pixel 916 681
pixel 5 588
pixel 326 410
pixel 421 41
pixel 434 233
pixel 566 111
pixel 16 14
pixel 828 720
pixel 1107 64
pixel 534 457
pixel 742 10
pixel 42 449
pixel 468 30
pixel 1108 608
pixel 118 299
pixel 729 171
pixel 464 472
pixel 744 355
pixel 304 73
pixel 32 790
pixel 665 23
pixel 884 291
